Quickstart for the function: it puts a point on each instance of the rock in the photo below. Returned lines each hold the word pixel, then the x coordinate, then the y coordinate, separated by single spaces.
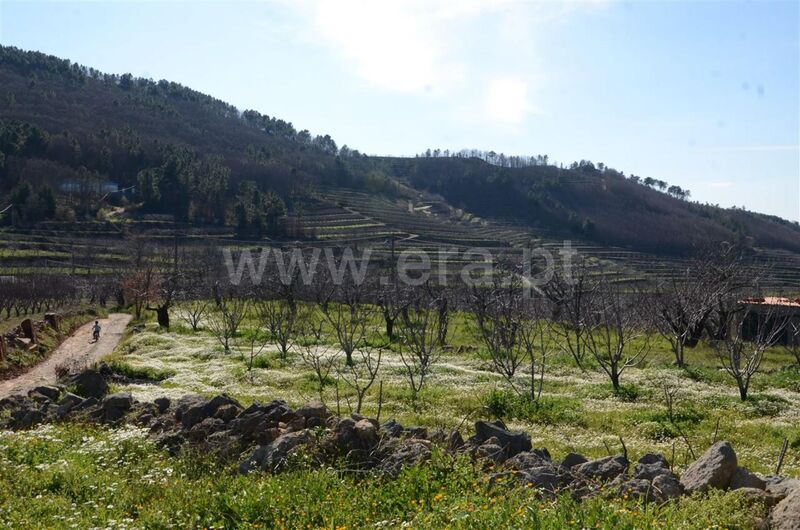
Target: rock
pixel 162 403
pixel 654 458
pixel 547 478
pixel 527 460
pixel 781 487
pixel 205 428
pixel 315 409
pixel 272 457
pixel 121 400
pixel 603 469
pixel 392 428
pixel 251 425
pixel 491 451
pixel 714 469
pixel 421 433
pixel 53 320
pixel 227 412
pixel 666 487
pixel 26 418
pixel 409 452
pixel 28 330
pixel 454 441
pixel 635 488
pixel 786 514
pixel 572 460
pixel 51 392
pixel 757 495
pixel 742 478
pixel 116 405
pixel 366 431
pixel 89 383
pixel 197 412
pixel 67 404
pixel 650 470
pixel 511 442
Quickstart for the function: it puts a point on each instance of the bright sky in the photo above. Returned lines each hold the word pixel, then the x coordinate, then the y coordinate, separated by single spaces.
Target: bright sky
pixel 704 95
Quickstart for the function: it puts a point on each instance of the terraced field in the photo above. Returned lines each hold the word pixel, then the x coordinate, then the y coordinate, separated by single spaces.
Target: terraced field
pixel 340 217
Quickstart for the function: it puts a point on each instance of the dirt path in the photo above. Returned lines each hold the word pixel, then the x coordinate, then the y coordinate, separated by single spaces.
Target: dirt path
pixel 78 348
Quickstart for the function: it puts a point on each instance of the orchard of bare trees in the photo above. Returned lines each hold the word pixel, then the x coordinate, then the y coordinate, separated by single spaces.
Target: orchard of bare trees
pixel 346 330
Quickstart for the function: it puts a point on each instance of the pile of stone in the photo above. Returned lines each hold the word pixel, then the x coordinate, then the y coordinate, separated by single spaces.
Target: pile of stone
pixel 267 437
pixel 24 336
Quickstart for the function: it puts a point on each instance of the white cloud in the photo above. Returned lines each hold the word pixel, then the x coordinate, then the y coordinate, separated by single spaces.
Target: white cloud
pixel 507 101
pixel 405 47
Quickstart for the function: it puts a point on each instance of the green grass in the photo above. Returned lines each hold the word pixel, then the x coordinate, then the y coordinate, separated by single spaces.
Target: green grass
pixel 72 476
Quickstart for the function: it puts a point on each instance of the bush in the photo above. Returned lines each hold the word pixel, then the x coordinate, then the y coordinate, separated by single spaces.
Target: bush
pixel 547 410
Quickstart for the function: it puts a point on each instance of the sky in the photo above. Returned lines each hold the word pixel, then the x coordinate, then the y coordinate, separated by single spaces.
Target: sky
pixel 704 95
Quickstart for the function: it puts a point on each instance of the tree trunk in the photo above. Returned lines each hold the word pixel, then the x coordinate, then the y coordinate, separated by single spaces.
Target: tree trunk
pixel 389 327
pixel 615 379
pixel 162 313
pixel 742 392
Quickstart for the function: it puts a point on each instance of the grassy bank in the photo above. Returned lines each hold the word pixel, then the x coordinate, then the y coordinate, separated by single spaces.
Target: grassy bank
pixel 82 477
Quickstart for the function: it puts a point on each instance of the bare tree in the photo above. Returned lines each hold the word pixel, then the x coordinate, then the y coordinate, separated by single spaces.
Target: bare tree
pixel 321 359
pixel 193 311
pixel 423 335
pixel 283 320
pixel 225 321
pixel 349 319
pixel 752 330
pixel 793 339
pixel 681 305
pixel 361 375
pixel 251 347
pixel 573 292
pixel 616 335
pixel 514 330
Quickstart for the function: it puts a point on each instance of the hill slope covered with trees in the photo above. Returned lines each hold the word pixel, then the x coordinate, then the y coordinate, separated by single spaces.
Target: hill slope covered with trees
pixel 69 130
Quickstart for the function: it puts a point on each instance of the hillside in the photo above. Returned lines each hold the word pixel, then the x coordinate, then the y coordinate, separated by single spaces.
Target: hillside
pixel 69 135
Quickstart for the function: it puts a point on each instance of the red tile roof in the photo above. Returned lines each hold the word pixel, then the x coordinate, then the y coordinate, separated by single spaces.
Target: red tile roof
pixel 774 301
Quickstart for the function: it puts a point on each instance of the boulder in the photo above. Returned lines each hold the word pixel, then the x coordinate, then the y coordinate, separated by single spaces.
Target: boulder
pixel 162 403
pixel 511 442
pixel 366 431
pixel 226 413
pixel 28 331
pixel 572 460
pixel 53 320
pixel 116 405
pixel 50 392
pixel 742 478
pixel 272 457
pixel 421 433
pixel 548 478
pixel 197 412
pixel 315 409
pixel 26 417
pixel 654 458
pixel 67 404
pixel 527 460
pixel 781 486
pixel 650 471
pixel 89 383
pixel 392 428
pixel 454 441
pixel 714 469
pixel 409 452
pixel 603 469
pixel 786 514
pixel 666 487
pixel 491 450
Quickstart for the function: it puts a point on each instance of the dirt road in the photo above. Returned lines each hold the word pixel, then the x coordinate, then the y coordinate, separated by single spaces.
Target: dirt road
pixel 77 349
